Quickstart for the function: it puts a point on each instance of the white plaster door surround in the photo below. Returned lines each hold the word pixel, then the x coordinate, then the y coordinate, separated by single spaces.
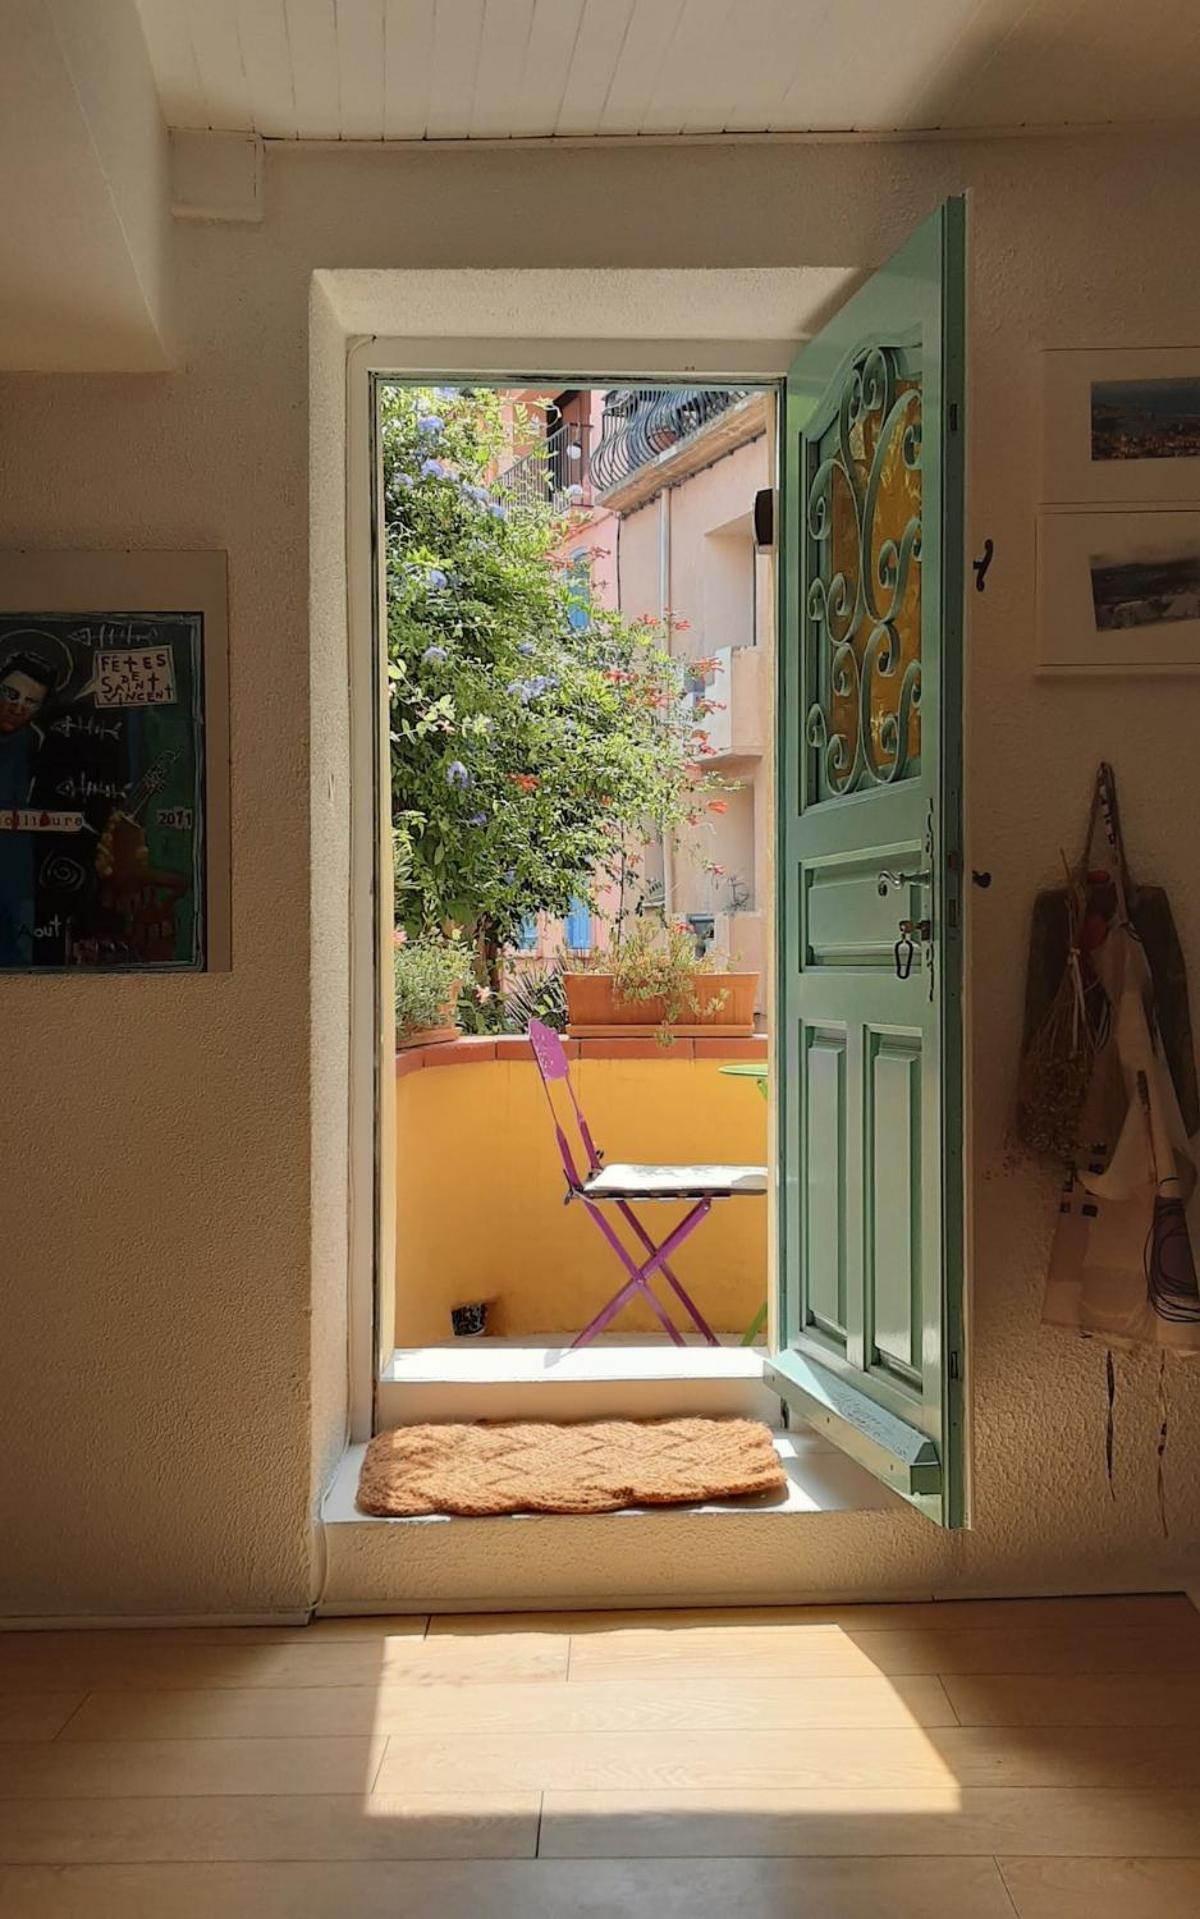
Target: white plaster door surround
pixel 520 326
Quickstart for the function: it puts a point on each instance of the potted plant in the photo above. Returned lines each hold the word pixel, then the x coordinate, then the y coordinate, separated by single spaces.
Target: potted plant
pixel 430 971
pixel 656 981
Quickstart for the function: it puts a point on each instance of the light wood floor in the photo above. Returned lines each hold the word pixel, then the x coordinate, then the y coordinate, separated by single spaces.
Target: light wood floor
pixel 965 1760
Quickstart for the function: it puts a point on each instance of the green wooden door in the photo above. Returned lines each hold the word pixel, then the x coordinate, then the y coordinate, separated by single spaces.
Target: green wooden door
pixel 869 1332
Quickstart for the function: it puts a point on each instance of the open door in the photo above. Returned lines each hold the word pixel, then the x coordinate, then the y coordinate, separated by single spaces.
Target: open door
pixel 869 1331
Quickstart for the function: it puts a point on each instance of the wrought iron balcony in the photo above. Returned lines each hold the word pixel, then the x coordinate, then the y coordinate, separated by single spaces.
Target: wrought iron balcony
pixel 642 423
pixel 557 473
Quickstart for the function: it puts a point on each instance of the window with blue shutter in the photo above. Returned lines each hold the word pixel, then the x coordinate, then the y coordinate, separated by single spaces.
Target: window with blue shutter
pixel 578 928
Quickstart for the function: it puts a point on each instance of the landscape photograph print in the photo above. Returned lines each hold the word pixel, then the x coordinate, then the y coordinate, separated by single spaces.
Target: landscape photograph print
pixel 1146 587
pixel 1146 419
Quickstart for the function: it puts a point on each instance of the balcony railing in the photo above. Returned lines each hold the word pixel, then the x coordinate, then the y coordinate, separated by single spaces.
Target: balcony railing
pixel 557 473
pixel 642 423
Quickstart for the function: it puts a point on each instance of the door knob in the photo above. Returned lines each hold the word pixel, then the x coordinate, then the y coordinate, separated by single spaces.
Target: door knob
pixel 887 878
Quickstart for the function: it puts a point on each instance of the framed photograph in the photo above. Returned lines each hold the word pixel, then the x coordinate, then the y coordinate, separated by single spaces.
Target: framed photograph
pixel 1121 426
pixel 1118 591
pixel 114 837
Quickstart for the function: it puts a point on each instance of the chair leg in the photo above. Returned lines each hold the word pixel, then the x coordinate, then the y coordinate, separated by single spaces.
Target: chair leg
pixel 701 1324
pixel 639 1276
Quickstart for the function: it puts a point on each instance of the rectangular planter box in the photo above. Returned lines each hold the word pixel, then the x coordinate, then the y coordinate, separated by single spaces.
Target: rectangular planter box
pixel 594 1012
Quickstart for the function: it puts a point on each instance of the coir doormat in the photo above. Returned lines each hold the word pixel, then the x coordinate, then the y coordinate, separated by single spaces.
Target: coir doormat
pixel 536 1467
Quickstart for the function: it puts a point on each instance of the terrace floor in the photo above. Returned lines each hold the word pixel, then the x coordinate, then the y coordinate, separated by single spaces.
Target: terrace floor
pixel 985 1759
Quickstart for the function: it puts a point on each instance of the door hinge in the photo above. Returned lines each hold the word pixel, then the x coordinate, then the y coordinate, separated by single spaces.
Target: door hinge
pixel 952 915
pixel 954 416
pixel 954 1369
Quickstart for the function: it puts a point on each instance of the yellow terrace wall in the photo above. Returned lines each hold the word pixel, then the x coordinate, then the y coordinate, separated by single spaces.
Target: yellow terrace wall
pixel 479 1185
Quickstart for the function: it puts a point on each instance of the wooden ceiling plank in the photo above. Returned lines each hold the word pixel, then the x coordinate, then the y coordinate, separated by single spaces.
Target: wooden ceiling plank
pixel 218 52
pixel 360 68
pixel 503 50
pixel 598 48
pixel 688 95
pixel 775 39
pixel 267 59
pixel 457 36
pixel 647 41
pixel 551 48
pixel 312 35
pixel 172 56
pixel 407 62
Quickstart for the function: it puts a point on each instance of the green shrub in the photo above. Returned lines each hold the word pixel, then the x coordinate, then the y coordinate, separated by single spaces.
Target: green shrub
pixel 428 973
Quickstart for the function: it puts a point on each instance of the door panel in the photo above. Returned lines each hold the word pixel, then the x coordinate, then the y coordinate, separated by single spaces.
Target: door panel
pixel 869 1115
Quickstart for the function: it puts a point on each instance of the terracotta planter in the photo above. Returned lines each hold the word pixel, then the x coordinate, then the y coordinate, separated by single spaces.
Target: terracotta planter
pixel 425 1036
pixel 431 1035
pixel 594 1011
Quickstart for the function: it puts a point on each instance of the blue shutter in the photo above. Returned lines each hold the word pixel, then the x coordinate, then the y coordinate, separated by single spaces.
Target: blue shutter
pixel 579 928
pixel 527 938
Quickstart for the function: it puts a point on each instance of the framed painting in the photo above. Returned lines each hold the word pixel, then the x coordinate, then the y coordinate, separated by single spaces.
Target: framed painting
pixel 114 840
pixel 1121 426
pixel 1118 591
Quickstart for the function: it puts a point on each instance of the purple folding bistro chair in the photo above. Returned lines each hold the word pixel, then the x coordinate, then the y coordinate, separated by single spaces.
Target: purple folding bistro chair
pixel 617 1186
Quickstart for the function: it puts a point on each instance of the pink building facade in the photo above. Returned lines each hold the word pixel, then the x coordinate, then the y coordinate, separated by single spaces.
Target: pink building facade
pixel 659 488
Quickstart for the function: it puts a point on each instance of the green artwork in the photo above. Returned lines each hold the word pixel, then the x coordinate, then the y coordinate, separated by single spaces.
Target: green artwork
pixel 102 792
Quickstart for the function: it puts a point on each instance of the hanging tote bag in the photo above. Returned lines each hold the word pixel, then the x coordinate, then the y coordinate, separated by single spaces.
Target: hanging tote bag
pixel 1121 1265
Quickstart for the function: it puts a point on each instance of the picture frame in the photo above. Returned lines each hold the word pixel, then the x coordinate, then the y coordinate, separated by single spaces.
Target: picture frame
pixel 1118 590
pixel 1121 426
pixel 114 762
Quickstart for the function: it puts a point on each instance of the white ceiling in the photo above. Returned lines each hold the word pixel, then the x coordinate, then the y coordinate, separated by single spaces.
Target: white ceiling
pixel 480 69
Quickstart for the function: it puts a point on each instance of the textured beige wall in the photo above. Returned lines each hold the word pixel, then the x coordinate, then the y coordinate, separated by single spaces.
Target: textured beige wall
pixel 165 1139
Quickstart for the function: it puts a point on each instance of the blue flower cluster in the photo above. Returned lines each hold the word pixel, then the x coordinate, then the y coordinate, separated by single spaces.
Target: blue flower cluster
pixel 433 470
pixel 431 423
pixel 529 690
pixel 457 775
pixel 435 578
pixel 434 656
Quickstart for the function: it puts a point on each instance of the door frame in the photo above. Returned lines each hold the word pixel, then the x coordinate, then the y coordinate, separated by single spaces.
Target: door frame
pixel 525 361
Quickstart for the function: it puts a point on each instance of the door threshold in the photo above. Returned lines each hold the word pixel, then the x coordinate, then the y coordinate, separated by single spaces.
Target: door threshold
pixel 551 1356
pixel 545 1378
pixel 820 1479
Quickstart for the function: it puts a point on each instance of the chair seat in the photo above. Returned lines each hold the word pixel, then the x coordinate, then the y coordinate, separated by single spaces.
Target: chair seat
pixel 675 1182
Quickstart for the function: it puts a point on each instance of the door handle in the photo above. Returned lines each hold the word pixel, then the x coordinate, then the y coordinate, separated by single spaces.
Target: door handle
pixel 887 878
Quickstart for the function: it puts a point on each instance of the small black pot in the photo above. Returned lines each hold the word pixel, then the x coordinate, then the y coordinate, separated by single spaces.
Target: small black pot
pixel 469 1322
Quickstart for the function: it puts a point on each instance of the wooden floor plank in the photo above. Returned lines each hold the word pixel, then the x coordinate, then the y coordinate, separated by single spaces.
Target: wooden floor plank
pixel 1125 1610
pixel 593 1889
pixel 765 1651
pixel 313 1632
pixel 687 1704
pixel 1104 1889
pixel 493 1825
pixel 779 1761
pixel 951 1821
pixel 1077 1699
pixel 102 1769
pixel 112 1661
pixel 41 1715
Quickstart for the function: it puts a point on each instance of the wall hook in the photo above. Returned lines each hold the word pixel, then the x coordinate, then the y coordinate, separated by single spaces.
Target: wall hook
pixel 981 566
pixel 983 880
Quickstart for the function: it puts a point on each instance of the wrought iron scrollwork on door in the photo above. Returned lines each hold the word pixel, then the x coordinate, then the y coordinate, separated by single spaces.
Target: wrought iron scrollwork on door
pixel 862 530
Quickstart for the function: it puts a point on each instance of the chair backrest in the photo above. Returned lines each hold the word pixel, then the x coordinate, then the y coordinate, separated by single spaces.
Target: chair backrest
pixel 550 1054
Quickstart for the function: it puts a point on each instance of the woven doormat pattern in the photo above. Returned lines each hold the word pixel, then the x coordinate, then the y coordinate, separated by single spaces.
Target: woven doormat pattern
pixel 537 1467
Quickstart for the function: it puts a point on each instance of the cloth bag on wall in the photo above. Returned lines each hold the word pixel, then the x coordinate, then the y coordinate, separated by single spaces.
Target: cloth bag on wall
pixel 1121 1265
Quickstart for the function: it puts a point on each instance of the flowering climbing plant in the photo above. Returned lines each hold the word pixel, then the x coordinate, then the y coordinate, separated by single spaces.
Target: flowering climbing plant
pixel 531 752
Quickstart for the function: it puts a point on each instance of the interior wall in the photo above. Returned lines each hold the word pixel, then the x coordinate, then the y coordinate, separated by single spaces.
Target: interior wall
pixel 167 1191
